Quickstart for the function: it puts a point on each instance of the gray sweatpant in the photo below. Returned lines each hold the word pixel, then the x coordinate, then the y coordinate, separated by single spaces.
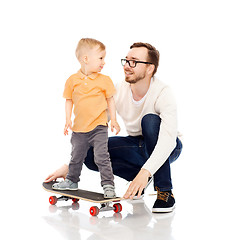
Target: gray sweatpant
pixel 81 142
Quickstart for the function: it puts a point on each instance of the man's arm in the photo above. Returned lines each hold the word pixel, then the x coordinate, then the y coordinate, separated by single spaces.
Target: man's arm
pixel 166 107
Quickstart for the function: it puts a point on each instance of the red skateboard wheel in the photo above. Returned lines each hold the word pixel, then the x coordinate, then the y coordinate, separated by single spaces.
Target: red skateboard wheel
pixel 94 211
pixel 53 200
pixel 75 200
pixel 117 207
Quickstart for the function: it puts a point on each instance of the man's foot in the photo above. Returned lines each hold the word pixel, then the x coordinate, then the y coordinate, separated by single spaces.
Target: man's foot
pixel 65 185
pixel 109 191
pixel 165 202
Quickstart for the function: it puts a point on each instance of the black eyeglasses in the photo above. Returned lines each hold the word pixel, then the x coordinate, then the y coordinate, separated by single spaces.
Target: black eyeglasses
pixel 132 63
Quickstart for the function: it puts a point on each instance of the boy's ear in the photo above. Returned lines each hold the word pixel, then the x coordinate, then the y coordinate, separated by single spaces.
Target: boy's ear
pixel 85 59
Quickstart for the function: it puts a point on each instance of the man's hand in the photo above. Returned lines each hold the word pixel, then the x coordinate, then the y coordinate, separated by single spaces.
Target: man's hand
pixel 59 173
pixel 138 184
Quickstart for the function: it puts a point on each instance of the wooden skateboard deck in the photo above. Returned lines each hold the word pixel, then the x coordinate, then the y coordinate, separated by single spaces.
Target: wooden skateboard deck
pixel 80 194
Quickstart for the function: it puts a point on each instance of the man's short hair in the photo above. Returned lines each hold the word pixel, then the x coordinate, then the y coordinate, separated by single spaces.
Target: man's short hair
pixel 153 54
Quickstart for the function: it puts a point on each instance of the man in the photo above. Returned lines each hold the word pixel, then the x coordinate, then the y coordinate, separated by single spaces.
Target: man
pixel 149 112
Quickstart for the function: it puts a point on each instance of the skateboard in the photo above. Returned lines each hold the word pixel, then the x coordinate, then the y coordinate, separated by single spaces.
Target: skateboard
pixel 76 195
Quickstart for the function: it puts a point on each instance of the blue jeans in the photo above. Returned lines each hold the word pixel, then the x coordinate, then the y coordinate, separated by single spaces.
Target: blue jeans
pixel 128 154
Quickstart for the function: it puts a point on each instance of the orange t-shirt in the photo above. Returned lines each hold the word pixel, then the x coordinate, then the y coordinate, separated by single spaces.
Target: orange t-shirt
pixel 89 94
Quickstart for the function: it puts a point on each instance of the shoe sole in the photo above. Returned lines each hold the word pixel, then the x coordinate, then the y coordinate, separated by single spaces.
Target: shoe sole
pixel 163 210
pixel 110 197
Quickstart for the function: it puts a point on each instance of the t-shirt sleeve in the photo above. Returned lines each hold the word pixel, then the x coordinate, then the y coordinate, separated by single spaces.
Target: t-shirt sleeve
pixel 68 89
pixel 109 88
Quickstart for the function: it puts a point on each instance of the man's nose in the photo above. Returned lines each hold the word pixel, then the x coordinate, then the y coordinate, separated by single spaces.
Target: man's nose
pixel 126 66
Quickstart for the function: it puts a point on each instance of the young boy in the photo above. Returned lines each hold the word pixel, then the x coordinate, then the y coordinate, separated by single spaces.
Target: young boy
pixel 91 93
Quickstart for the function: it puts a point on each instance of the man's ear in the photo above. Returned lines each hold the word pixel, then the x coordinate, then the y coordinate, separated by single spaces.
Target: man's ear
pixel 151 68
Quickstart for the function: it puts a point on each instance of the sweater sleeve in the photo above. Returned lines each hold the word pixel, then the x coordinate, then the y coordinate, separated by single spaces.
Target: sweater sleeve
pixel 165 106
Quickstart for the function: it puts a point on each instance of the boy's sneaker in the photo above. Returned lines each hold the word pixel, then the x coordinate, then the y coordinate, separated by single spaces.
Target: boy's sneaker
pixel 165 202
pixel 65 185
pixel 109 191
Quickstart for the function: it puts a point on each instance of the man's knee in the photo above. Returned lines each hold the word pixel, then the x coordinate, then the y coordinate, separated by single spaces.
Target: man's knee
pixel 150 124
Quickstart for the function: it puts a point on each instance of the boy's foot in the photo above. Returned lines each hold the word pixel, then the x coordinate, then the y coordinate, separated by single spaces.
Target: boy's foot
pixel 65 185
pixel 165 202
pixel 109 191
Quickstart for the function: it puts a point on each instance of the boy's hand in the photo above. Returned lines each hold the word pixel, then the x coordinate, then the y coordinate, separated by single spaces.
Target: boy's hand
pixel 67 125
pixel 115 125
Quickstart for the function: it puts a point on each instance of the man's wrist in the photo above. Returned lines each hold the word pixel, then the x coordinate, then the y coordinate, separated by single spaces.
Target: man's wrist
pixel 145 171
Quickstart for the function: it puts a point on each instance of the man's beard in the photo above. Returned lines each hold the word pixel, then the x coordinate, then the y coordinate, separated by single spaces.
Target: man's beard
pixel 136 79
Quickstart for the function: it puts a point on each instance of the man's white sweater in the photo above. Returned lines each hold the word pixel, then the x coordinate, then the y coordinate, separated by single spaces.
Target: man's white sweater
pixel 158 100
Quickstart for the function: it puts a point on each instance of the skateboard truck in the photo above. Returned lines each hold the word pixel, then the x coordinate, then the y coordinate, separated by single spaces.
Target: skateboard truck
pixel 53 199
pixel 105 207
pixel 117 207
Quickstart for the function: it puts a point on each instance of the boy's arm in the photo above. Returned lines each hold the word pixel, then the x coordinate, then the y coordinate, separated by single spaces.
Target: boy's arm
pixel 112 112
pixel 68 110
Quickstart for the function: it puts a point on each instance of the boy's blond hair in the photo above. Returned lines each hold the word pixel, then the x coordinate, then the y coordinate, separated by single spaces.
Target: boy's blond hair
pixel 88 43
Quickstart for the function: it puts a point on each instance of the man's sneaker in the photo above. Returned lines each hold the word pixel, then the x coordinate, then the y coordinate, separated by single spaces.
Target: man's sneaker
pixel 165 202
pixel 65 185
pixel 109 191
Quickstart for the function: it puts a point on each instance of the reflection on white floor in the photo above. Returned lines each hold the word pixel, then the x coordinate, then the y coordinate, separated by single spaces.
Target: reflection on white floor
pixel 135 222
pixel 196 216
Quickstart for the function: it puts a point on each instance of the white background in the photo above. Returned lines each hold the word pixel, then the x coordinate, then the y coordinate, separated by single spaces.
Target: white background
pixel 200 59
